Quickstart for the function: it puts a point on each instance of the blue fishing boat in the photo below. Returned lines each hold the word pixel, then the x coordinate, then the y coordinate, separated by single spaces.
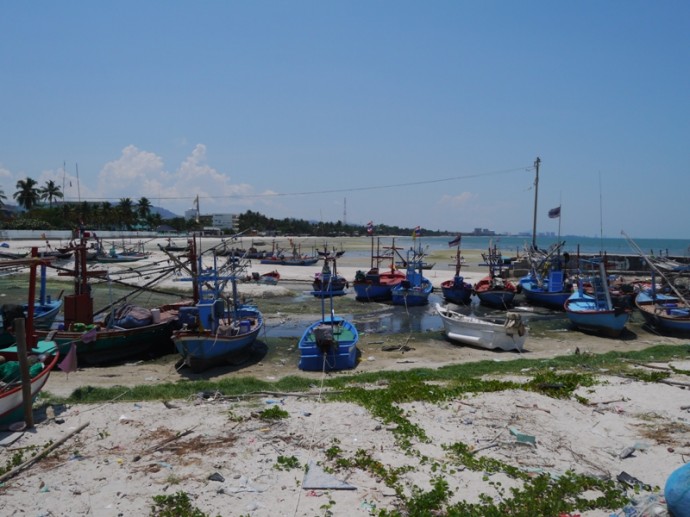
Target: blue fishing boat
pixel 495 290
pixel 376 284
pixel 456 290
pixel 217 328
pixel 547 283
pixel 328 282
pixel 596 312
pixel 662 306
pixel 416 288
pixel 329 343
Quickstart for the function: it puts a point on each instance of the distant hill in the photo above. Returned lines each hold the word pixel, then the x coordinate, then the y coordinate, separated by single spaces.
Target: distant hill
pixel 164 213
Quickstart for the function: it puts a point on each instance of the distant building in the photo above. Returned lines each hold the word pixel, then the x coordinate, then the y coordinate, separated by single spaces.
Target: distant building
pixel 226 221
pixel 190 214
pixel 484 232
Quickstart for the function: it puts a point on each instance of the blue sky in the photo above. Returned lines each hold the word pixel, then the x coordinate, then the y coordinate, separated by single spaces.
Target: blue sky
pixel 407 113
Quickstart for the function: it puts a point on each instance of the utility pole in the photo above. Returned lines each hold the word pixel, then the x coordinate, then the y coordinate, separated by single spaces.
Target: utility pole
pixel 536 196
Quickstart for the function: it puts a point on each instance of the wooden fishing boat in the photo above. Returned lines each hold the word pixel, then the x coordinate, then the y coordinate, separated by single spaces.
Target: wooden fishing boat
pixel 416 288
pixel 329 343
pixel 127 330
pixel 296 258
pixel 663 306
pixel 173 247
pixel 548 283
pixel 375 284
pixel 328 282
pixel 508 333
pixel 494 290
pixel 217 328
pixel 456 290
pixel 43 358
pixel 596 312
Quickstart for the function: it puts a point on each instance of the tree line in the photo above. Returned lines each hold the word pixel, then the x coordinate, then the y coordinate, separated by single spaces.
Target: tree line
pixel 44 211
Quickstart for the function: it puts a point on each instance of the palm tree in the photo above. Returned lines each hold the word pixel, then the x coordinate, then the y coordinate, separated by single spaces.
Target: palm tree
pixel 124 209
pixel 27 194
pixel 2 198
pixel 143 208
pixel 51 191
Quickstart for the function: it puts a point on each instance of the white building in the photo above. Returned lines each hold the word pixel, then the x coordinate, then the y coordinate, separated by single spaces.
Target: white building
pixel 225 221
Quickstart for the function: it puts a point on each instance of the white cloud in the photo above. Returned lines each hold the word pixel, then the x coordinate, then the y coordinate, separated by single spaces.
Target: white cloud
pixel 459 200
pixel 138 173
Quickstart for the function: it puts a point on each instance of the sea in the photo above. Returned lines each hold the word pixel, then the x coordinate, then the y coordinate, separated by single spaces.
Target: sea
pixel 513 245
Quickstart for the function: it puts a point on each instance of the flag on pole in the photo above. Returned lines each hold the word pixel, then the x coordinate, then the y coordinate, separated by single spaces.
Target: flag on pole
pixel 417 232
pixel 370 228
pixel 454 241
pixel 555 213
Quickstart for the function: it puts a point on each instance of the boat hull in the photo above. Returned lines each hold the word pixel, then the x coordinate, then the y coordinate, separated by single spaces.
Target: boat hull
pixel 469 330
pixel 329 344
pixel 457 291
pixel 374 286
pixel 202 349
pixel 114 344
pixel 536 295
pixel 583 313
pixel 667 315
pixel 11 401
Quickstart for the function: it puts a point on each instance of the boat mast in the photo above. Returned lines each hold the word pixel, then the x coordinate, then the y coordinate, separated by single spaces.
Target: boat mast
pixel 536 197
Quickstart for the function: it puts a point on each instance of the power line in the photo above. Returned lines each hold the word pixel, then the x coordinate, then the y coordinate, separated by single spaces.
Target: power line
pixel 347 189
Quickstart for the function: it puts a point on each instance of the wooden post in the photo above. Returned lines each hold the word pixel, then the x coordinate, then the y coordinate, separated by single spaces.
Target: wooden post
pixel 20 334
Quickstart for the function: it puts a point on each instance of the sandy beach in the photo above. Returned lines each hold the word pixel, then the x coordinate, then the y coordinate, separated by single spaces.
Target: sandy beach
pixel 231 461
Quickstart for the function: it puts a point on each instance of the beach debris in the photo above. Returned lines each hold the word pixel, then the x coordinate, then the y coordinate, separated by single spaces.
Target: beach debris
pixel 521 437
pixel 315 478
pixel 216 477
pixel 169 405
pixel 632 481
pixel 42 454
pixel 171 439
pixel 626 453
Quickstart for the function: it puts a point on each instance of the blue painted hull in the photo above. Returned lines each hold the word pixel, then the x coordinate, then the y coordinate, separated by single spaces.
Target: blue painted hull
pixel 583 313
pixel 666 314
pixel 329 344
pixel 200 349
pixel 496 298
pixel 457 291
pixel 372 292
pixel 536 295
pixel 413 295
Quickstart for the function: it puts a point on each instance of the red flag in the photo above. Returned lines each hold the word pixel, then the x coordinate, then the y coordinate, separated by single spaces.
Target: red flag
pixel 69 363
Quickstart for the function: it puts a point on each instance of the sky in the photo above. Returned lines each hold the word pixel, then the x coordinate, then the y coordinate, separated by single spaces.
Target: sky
pixel 405 113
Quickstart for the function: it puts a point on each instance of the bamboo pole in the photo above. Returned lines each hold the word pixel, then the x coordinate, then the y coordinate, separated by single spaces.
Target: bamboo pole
pixel 20 333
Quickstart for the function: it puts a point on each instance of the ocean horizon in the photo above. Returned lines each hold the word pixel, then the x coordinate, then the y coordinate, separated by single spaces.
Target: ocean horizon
pixel 511 245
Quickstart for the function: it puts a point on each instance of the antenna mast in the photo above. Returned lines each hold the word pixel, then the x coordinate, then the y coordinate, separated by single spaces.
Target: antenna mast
pixel 536 196
pixel 78 186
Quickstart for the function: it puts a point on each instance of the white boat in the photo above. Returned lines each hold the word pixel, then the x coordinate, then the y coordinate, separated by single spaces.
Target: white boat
pixel 507 333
